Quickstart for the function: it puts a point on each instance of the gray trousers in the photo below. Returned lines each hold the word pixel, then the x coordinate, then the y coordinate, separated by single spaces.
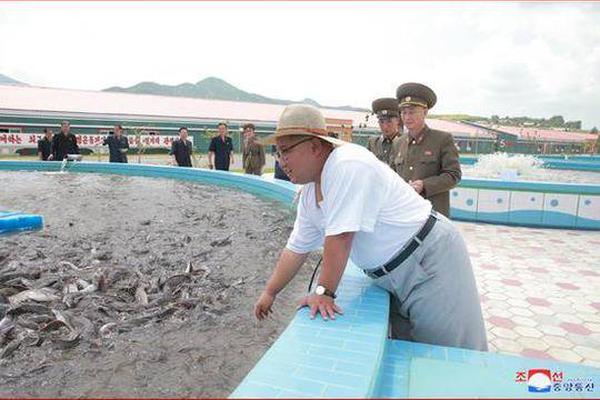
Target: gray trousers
pixel 434 295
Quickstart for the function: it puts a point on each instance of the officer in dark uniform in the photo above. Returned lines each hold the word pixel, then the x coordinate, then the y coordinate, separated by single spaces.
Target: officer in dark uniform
pixel 64 143
pixel 181 149
pixel 45 145
pixel 386 146
pixel 117 145
pixel 427 159
pixel 221 149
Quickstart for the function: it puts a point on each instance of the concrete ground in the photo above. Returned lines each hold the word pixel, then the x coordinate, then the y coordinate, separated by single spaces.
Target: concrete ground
pixel 539 289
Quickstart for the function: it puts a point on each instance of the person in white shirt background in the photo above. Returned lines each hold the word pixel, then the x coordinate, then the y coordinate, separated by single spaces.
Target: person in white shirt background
pixel 357 208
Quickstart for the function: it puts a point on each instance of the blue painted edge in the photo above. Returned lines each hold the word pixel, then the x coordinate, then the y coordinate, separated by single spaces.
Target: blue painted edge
pixel 318 359
pixel 400 355
pixel 528 218
pixel 277 190
pixel 530 186
pixel 577 163
pixel 15 222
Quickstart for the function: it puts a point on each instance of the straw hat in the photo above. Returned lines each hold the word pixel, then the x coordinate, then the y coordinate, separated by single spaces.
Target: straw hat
pixel 301 119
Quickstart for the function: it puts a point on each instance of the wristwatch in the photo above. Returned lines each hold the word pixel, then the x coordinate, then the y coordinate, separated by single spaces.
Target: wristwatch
pixel 322 290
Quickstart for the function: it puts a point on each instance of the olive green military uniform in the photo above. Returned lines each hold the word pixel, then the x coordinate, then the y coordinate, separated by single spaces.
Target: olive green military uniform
pixel 253 158
pixel 432 157
pixel 384 148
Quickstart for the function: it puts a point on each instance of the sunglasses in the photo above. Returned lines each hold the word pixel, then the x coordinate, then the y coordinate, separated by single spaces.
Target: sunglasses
pixel 283 153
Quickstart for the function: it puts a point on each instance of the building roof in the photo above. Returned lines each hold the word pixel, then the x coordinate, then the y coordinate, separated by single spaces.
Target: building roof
pixel 527 133
pixel 66 103
pixel 459 129
pixel 51 100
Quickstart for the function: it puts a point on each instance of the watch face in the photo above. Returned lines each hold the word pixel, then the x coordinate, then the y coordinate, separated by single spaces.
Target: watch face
pixel 320 290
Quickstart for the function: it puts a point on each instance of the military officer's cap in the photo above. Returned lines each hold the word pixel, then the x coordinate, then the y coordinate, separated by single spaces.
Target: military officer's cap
pixel 415 94
pixel 386 107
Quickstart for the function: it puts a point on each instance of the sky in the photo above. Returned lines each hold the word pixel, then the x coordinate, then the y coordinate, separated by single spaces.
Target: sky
pixel 482 58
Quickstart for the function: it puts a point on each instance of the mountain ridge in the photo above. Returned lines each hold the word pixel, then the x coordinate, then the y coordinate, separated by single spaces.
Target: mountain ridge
pixel 214 89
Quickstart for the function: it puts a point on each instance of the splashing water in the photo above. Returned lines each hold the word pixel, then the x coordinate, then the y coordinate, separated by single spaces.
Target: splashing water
pixel 505 166
pixel 63 165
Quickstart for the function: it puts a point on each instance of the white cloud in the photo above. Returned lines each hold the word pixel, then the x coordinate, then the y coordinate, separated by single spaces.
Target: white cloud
pixel 483 58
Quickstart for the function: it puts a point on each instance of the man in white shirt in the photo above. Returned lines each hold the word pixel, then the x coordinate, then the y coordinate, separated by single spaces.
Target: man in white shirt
pixel 356 207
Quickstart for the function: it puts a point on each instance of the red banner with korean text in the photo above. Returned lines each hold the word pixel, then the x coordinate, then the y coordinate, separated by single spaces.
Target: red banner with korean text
pixel 23 140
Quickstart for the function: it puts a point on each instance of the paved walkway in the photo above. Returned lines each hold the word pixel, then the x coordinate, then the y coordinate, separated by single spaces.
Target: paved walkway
pixel 540 290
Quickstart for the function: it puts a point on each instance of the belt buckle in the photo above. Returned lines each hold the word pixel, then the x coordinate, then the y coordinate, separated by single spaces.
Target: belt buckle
pixel 385 271
pixel 372 275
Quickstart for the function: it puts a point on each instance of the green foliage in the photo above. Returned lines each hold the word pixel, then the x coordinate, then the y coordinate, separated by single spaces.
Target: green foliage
pixel 457 117
pixel 554 122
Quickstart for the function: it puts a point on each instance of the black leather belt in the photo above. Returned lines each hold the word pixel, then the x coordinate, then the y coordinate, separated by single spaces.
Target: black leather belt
pixel 407 251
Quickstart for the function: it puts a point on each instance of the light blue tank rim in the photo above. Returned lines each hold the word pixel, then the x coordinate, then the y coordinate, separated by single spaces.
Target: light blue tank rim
pixel 530 186
pixel 278 190
pixel 275 189
pixel 576 163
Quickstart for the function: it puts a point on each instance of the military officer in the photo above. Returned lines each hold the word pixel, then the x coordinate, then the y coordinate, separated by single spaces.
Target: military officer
pixel 253 155
pixel 427 158
pixel 385 147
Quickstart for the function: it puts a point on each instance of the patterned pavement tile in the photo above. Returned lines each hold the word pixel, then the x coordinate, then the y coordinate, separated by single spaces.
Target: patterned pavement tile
pixel 540 290
pixel 534 353
pixel 528 332
pixel 588 352
pixel 579 329
pixel 564 355
pixel 557 342
pixel 524 321
pixel 502 322
pixel 533 344
pixel 504 333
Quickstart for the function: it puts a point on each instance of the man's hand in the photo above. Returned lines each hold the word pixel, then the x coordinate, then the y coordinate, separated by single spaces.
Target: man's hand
pixel 417 185
pixel 50 157
pixel 323 304
pixel 262 308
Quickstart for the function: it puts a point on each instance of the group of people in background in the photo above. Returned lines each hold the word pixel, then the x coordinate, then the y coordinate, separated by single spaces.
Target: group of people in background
pixel 220 151
pixel 56 147
pixel 425 158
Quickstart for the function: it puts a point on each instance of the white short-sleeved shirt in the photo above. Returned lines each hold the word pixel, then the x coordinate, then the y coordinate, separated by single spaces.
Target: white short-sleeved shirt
pixel 362 195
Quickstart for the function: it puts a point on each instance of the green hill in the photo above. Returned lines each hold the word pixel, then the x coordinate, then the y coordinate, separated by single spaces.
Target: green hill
pixel 7 80
pixel 214 89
